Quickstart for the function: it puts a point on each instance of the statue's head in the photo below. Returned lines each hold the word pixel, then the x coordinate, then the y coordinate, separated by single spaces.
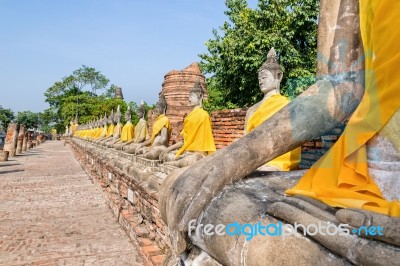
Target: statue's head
pixel 104 120
pixel 161 106
pixel 141 112
pixel 117 115
pixel 128 115
pixel 270 73
pixel 196 95
pixel 111 117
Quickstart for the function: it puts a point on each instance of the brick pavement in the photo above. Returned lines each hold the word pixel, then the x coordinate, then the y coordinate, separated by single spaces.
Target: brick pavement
pixel 52 214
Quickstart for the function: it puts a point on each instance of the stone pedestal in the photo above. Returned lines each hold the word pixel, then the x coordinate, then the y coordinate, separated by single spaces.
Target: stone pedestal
pixel 11 139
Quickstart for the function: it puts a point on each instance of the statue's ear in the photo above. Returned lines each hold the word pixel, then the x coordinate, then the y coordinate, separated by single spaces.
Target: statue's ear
pixel 279 76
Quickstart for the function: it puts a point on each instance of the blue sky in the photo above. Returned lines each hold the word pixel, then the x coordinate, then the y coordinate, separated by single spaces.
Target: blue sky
pixel 134 43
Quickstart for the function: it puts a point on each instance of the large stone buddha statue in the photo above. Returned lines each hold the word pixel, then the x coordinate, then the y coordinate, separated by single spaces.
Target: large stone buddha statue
pixel 198 140
pixel 160 134
pixel 354 184
pixel 141 132
pixel 270 77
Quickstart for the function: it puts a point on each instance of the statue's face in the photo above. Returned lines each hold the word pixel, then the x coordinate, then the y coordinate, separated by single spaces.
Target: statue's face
pixel 159 109
pixel 194 99
pixel 140 114
pixel 267 81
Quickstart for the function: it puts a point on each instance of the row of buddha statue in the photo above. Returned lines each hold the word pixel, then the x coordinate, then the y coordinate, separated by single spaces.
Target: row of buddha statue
pixel 197 135
pixel 198 140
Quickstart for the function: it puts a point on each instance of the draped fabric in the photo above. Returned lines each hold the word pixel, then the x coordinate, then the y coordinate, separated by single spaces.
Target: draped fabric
pixel 285 162
pixel 197 132
pixel 141 131
pixel 341 178
pixel 103 132
pixel 159 123
pixel 127 132
pixel 117 130
pixel 110 130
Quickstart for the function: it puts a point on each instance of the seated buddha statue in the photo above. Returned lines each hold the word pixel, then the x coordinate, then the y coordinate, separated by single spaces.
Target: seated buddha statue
pixel 270 77
pixel 127 132
pixel 141 132
pixel 160 134
pixel 117 129
pixel 355 184
pixel 104 128
pixel 110 128
pixel 198 140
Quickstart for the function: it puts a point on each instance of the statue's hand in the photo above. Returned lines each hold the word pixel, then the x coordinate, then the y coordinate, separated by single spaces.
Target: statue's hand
pixel 389 227
pixel 183 197
pixel 163 154
pixel 138 148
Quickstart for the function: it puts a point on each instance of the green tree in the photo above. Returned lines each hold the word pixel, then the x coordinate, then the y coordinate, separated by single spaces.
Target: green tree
pixel 76 95
pixel 240 47
pixel 6 116
pixel 29 119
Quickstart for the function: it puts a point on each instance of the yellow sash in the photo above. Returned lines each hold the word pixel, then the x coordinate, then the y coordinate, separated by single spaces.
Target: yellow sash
pixel 127 132
pixel 110 130
pixel 159 123
pixel 117 130
pixel 98 132
pixel 285 162
pixel 197 132
pixel 103 132
pixel 141 130
pixel 341 178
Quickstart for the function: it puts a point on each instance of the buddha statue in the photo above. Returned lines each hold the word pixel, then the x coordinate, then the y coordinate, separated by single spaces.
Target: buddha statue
pixel 127 133
pixel 98 129
pixel 117 129
pixel 110 128
pixel 103 125
pixel 141 132
pixel 161 132
pixel 198 140
pixel 270 76
pixel 355 184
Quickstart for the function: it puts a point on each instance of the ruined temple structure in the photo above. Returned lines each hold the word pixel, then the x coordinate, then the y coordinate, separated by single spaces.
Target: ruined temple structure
pixel 118 93
pixel 176 88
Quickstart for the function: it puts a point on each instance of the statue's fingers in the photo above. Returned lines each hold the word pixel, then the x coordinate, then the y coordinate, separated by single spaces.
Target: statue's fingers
pixel 317 203
pixel 372 225
pixel 316 210
pixel 356 249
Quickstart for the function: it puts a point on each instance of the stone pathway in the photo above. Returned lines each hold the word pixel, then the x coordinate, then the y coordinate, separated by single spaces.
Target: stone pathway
pixel 52 214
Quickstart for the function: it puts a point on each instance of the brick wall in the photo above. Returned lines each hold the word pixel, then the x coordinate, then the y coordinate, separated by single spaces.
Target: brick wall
pixel 312 150
pixel 227 126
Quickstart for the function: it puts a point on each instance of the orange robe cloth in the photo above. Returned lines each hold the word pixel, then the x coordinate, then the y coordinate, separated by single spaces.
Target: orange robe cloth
pixel 285 162
pixel 340 178
pixel 197 132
